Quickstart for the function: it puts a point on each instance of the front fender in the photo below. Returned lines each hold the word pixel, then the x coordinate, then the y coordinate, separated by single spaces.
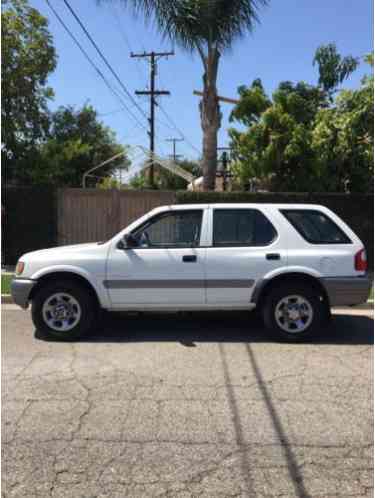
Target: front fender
pixel 100 292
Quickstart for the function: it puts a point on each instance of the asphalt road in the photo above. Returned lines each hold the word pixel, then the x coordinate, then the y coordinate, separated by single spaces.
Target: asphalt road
pixel 200 405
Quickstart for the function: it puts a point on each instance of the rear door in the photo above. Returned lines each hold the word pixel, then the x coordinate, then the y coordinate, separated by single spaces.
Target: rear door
pixel 167 267
pixel 245 246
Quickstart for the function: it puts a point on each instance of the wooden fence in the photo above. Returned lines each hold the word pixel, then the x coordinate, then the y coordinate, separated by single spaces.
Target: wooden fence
pixel 86 215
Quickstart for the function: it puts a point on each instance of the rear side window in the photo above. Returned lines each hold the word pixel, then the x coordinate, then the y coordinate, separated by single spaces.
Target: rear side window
pixel 315 226
pixel 242 227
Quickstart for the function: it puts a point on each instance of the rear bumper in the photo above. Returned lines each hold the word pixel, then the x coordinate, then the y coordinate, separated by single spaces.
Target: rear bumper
pixel 347 291
pixel 20 290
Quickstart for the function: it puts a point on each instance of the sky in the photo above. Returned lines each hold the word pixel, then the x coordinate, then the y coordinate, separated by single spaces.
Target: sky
pixel 281 48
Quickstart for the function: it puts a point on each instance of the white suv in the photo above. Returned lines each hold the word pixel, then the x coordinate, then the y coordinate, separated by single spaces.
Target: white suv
pixel 293 262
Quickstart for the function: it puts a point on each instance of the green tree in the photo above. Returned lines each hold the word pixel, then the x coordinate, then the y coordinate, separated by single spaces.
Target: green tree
pixel 333 68
pixel 343 139
pixel 276 146
pixel 302 140
pixel 209 28
pixel 139 181
pixel 76 142
pixel 109 183
pixel 252 104
pixel 28 57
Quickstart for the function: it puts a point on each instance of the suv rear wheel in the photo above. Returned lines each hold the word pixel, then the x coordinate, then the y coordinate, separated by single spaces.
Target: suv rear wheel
pixel 293 311
pixel 63 310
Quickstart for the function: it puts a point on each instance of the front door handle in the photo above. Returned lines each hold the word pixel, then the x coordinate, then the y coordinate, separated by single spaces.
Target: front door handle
pixel 273 256
pixel 189 258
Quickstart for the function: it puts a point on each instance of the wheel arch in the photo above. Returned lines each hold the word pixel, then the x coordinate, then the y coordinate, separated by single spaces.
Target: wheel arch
pixel 72 276
pixel 265 286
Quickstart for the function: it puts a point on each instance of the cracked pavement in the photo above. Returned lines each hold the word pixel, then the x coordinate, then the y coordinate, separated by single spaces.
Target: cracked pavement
pixel 186 406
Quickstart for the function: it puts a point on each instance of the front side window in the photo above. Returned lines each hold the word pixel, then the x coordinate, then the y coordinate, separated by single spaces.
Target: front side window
pixel 171 229
pixel 315 226
pixel 242 227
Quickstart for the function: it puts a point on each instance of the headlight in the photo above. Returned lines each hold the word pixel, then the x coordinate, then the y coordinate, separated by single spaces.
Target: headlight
pixel 20 267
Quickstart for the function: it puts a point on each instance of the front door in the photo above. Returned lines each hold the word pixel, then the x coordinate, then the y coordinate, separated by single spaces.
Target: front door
pixel 245 247
pixel 167 266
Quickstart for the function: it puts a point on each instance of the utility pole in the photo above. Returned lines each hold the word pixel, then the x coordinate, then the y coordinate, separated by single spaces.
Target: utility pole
pixel 223 170
pixel 153 56
pixel 174 140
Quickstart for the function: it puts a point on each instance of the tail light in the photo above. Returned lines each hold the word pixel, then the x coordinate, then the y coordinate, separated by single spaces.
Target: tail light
pixel 360 260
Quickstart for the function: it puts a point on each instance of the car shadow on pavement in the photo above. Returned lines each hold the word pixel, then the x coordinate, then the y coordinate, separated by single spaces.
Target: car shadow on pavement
pixel 189 328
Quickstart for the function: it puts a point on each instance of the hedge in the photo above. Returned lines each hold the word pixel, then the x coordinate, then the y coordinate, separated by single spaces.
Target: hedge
pixel 29 221
pixel 357 210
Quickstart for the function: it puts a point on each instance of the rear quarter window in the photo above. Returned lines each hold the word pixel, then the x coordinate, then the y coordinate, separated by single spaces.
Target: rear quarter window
pixel 315 226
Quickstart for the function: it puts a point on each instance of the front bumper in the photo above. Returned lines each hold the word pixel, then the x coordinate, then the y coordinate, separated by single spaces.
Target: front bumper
pixel 20 290
pixel 347 291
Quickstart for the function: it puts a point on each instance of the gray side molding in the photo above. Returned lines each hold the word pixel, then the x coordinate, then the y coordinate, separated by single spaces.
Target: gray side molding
pixel 178 284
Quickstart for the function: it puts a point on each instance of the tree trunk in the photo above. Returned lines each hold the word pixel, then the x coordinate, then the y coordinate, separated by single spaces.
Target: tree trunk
pixel 209 157
pixel 211 120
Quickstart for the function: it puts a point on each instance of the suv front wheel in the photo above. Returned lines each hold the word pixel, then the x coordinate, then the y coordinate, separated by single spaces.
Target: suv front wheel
pixel 63 310
pixel 293 312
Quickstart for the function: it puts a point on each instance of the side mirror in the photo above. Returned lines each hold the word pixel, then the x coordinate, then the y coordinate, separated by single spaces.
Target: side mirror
pixel 128 242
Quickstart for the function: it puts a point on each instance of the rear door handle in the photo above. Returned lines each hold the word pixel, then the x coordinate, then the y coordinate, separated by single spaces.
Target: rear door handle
pixel 189 258
pixel 273 256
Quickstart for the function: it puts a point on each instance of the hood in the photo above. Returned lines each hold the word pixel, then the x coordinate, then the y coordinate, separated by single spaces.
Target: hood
pixel 59 251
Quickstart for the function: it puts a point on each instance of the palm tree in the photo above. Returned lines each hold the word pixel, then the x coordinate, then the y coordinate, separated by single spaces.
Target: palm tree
pixel 209 27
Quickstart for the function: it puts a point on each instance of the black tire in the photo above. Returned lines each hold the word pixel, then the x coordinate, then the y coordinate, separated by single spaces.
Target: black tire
pixel 318 307
pixel 87 303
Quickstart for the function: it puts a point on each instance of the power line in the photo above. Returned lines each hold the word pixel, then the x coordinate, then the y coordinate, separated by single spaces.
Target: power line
pixel 178 129
pixel 109 113
pixel 158 138
pixel 167 125
pixel 98 71
pixel 125 38
pixel 138 39
pixel 174 140
pixel 113 91
pixel 120 27
pixel 104 59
